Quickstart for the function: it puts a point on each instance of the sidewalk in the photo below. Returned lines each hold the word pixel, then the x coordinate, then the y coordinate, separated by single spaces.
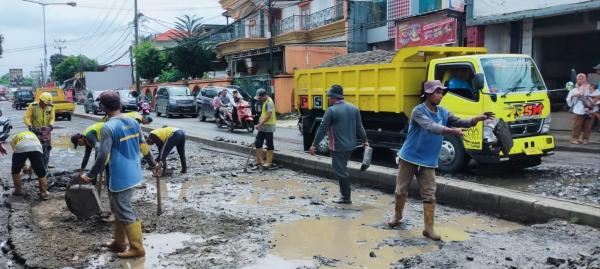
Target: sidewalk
pixel 562 140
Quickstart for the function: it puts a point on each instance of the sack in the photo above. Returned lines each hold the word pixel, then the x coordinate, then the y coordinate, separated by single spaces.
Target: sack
pixel 366 161
pixel 502 132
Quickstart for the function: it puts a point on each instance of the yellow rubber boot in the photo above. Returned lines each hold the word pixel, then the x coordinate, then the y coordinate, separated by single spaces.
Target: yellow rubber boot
pixel 400 200
pixel 18 185
pixel 259 157
pixel 43 188
pixel 269 161
pixel 428 214
pixel 136 245
pixel 119 243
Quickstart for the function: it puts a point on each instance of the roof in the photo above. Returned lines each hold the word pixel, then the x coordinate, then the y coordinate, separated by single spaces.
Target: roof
pixel 168 35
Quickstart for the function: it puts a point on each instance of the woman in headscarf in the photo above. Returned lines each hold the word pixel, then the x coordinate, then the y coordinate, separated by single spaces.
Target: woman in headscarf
pixel 580 100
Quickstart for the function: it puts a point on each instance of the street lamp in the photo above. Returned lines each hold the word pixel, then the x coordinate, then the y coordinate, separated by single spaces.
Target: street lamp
pixel 44 4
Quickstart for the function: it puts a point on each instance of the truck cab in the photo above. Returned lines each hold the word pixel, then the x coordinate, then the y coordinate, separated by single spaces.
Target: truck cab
pixel 62 107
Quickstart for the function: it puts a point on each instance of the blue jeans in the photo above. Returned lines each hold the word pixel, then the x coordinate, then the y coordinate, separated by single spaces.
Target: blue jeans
pixel 122 206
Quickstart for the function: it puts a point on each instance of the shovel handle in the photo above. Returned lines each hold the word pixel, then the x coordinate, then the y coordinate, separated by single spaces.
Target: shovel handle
pixel 158 197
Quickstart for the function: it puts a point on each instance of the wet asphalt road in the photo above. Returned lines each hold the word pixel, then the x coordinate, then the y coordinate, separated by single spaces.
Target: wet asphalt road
pixel 568 175
pixel 216 216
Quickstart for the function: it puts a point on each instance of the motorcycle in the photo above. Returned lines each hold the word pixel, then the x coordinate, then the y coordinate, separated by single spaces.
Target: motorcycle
pixel 5 127
pixel 244 120
pixel 144 107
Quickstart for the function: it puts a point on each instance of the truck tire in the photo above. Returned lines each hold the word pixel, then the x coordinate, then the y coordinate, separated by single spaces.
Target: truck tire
pixel 452 155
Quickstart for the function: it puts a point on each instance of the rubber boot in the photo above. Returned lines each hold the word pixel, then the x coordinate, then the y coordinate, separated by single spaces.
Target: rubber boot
pixel 136 246
pixel 119 243
pixel 18 185
pixel 400 201
pixel 43 188
pixel 259 157
pixel 428 216
pixel 183 166
pixel 269 161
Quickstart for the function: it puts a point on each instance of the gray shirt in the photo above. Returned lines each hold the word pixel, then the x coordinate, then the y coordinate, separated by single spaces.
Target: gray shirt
pixel 421 118
pixel 269 128
pixel 342 123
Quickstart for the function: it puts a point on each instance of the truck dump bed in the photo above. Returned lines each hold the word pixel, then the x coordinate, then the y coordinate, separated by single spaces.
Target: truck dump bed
pixel 391 85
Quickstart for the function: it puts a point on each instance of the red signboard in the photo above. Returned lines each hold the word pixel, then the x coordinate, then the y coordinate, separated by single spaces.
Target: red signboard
pixel 424 31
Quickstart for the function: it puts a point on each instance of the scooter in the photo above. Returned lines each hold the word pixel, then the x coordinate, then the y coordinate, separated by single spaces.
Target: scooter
pixel 244 120
pixel 5 127
pixel 145 107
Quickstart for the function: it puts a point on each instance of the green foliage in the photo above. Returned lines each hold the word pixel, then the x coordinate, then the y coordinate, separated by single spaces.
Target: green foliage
pixel 149 61
pixel 187 27
pixel 191 57
pixel 5 79
pixel 56 59
pixel 71 65
pixel 170 75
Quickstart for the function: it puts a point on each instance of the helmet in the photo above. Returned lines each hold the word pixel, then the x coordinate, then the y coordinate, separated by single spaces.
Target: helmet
pixel 46 97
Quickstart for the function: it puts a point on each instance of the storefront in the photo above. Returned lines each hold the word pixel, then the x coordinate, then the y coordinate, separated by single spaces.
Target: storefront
pixel 439 28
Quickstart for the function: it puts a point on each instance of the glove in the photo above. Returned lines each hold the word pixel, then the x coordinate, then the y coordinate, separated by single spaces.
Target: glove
pixel 157 170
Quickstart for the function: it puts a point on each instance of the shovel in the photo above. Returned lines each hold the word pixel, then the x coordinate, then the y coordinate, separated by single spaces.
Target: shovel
pixel 248 160
pixel 158 195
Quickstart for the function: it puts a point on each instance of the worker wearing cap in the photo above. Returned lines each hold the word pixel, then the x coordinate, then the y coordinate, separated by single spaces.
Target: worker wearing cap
pixel 342 123
pixel 121 142
pixel 166 139
pixel 429 123
pixel 39 118
pixel 266 128
pixel 141 119
pixel 26 146
pixel 90 138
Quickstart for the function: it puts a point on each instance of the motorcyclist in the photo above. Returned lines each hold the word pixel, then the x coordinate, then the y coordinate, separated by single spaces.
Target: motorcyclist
pixel 39 119
pixel 236 102
pixel 223 102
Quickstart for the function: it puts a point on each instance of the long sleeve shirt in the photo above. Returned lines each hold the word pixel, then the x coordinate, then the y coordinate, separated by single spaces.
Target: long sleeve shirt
pixel 342 123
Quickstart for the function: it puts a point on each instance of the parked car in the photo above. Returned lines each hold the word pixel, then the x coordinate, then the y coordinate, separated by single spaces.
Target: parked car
pixel 90 104
pixel 207 94
pixel 129 102
pixel 22 99
pixel 175 100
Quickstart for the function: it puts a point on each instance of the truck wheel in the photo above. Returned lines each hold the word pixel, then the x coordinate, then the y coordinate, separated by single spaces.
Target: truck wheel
pixel 452 156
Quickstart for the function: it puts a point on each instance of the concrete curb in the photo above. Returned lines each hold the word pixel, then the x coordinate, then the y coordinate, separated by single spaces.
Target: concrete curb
pixel 508 204
pixel 566 147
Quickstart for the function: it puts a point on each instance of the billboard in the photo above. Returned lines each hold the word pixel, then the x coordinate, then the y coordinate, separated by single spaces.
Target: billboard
pixel 16 76
pixel 484 9
pixel 425 31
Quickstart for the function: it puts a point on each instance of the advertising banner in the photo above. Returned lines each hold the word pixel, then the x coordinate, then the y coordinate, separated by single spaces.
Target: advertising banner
pixel 424 31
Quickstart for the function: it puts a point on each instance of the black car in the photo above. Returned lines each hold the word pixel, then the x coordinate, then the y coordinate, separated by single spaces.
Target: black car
pixel 90 104
pixel 205 98
pixel 175 100
pixel 22 99
pixel 128 101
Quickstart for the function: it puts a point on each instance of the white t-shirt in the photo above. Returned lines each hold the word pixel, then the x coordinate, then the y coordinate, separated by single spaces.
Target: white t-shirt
pixel 577 103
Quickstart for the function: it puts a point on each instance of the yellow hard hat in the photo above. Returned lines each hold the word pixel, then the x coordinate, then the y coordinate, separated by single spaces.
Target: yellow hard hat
pixel 46 97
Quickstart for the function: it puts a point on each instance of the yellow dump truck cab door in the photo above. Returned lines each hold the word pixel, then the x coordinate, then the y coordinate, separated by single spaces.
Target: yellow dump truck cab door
pixel 464 101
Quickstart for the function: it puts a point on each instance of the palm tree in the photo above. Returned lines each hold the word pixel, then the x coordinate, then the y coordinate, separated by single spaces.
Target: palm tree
pixel 187 27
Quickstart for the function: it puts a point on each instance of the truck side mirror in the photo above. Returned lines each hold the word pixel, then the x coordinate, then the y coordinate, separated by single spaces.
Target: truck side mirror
pixel 479 81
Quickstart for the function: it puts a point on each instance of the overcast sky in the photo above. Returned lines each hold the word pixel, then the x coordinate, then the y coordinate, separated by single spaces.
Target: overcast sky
pixel 99 29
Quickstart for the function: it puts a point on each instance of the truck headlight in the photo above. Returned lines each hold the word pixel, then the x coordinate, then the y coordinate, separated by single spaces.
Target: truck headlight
pixel 546 125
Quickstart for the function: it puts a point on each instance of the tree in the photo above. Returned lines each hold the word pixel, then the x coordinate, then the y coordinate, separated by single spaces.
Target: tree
pixel 169 75
pixel 56 59
pixel 71 65
pixel 149 61
pixel 192 57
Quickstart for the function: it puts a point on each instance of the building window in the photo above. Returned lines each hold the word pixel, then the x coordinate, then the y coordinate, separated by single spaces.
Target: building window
pixel 429 5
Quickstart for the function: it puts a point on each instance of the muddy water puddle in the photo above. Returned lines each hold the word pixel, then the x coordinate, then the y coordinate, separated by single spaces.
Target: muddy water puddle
pixel 157 246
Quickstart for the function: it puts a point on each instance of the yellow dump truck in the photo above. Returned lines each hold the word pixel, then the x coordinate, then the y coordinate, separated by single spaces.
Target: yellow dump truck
pixel 386 92
pixel 62 107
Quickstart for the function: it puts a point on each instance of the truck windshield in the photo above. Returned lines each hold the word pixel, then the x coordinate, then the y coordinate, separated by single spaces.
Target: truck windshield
pixel 179 91
pixel 511 74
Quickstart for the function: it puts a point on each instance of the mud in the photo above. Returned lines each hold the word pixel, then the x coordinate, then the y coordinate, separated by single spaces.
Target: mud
pixel 217 216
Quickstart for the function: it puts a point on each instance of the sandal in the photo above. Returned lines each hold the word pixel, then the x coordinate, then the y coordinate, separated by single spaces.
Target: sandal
pixel 586 142
pixel 574 142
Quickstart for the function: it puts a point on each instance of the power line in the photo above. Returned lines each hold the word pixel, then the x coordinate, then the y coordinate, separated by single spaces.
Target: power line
pixel 152 9
pixel 118 58
pixel 122 38
pixel 113 2
pixel 108 27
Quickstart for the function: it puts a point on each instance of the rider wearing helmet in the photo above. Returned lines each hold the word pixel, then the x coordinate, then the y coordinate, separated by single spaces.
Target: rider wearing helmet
pixel 39 119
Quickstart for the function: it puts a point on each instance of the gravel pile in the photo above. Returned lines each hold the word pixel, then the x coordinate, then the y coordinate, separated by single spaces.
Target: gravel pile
pixel 369 57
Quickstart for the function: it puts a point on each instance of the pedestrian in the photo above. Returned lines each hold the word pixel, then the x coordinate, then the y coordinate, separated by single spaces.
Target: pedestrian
pixel 122 140
pixel 166 139
pixel 26 146
pixel 90 138
pixel 580 100
pixel 39 119
pixel 266 128
pixel 342 123
pixel 429 123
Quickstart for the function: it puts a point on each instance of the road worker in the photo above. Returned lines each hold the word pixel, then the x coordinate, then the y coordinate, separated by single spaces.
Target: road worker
pixel 90 138
pixel 39 118
pixel 266 128
pixel 26 146
pixel 141 119
pixel 166 139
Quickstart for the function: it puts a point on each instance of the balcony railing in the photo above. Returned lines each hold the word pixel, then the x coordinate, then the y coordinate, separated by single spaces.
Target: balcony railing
pixel 312 21
pixel 235 31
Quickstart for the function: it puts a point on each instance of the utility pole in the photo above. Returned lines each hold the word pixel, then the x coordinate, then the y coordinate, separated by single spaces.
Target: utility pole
pixel 270 5
pixel 41 79
pixel 58 45
pixel 131 62
pixel 136 42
